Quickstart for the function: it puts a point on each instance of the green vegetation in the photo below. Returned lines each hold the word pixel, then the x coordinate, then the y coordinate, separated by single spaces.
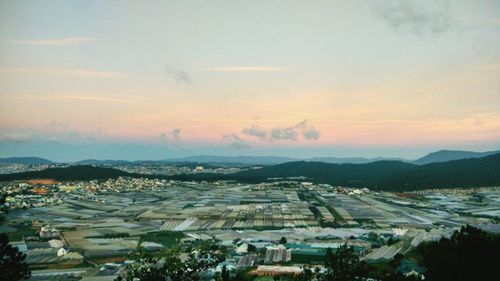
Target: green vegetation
pixel 251 248
pixel 168 239
pixel 469 254
pixel 12 263
pixel 116 235
pixel 22 232
pixel 387 175
pixel 170 267
pixel 83 172
pixel 283 241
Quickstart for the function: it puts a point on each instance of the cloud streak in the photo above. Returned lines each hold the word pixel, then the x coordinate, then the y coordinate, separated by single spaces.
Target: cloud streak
pixel 15 138
pixel 69 41
pixel 71 97
pixel 62 72
pixel 247 69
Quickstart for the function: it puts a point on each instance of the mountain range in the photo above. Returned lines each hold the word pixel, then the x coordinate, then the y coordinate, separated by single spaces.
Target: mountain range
pixel 25 160
pixel 380 175
pixel 449 155
pixel 434 157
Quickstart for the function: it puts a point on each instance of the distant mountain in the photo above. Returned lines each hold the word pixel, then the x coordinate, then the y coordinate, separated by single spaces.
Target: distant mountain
pixel 25 160
pixel 352 160
pixel 336 174
pixel 189 164
pixel 249 160
pixel 102 162
pixel 381 175
pixel 449 155
pixel 273 160
pixel 471 172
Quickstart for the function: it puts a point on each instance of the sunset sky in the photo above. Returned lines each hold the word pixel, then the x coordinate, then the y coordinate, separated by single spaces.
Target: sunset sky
pixel 165 79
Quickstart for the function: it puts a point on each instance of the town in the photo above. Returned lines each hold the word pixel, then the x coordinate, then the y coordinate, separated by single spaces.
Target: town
pixel 91 230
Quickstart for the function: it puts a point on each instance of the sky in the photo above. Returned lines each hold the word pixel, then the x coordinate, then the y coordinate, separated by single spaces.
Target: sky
pixel 153 80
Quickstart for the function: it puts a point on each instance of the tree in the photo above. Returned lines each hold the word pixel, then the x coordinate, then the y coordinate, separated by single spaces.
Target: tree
pixel 307 274
pixel 12 262
pixel 342 265
pixel 171 267
pixel 251 248
pixel 225 274
pixel 397 276
pixel 3 208
pixel 283 240
pixel 469 254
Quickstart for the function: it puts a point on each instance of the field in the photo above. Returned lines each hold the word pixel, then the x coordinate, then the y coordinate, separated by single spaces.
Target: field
pixel 22 231
pixel 42 181
pixel 166 238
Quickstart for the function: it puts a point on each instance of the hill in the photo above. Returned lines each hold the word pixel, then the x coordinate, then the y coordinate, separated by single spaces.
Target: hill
pixel 340 174
pixel 274 160
pixel 352 160
pixel 450 155
pixel 103 162
pixel 25 160
pixel 381 175
pixel 82 172
pixel 247 160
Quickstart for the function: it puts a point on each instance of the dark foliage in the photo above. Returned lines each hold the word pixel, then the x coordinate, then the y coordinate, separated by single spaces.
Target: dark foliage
pixel 470 254
pixel 83 172
pixel 342 265
pixel 12 263
pixel 171 267
pixel 251 248
pixel 283 240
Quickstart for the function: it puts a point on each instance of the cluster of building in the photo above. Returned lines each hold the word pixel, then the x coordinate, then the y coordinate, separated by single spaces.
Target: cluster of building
pixel 171 170
pixel 271 228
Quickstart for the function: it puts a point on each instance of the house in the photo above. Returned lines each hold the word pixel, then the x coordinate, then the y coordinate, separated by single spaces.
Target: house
pixel 62 251
pixel 278 270
pixel 242 249
pixel 48 232
pixel 278 254
pixel 55 243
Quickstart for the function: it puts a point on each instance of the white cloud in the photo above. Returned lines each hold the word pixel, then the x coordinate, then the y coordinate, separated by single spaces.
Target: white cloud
pixel 311 134
pixel 409 16
pixel 236 142
pixel 292 133
pixel 289 133
pixel 179 75
pixel 255 131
